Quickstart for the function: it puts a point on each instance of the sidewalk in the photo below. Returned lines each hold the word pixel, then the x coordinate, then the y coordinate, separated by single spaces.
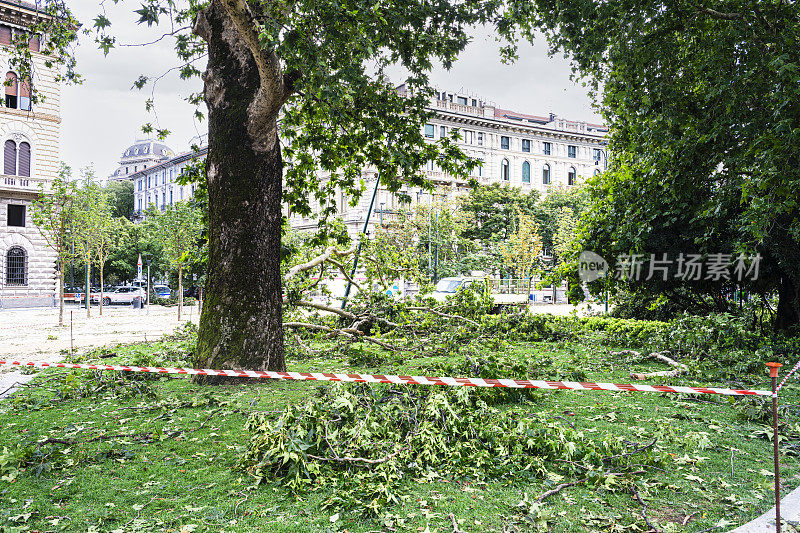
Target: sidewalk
pixel 790 512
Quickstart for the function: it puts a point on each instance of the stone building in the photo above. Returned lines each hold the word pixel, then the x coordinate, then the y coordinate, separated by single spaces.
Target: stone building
pixel 142 154
pixel 157 185
pixel 29 135
pixel 530 152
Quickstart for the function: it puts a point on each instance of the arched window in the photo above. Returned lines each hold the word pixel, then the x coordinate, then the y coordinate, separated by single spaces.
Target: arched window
pixel 546 174
pixel 526 172
pixel 505 170
pixel 11 90
pixel 10 158
pixel 24 166
pixel 571 176
pixel 16 267
pixel 17 159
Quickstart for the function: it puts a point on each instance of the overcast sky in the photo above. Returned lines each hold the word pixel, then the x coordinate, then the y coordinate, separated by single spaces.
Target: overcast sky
pixel 103 116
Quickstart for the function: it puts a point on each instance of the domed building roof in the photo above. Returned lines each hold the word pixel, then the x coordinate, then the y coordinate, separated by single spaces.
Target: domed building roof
pixel 142 154
pixel 146 149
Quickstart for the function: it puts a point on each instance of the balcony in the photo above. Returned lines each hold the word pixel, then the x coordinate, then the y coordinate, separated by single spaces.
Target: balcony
pixel 22 184
pixel 459 108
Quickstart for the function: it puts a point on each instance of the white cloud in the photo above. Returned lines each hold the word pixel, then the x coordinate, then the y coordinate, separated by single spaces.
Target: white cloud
pixel 103 116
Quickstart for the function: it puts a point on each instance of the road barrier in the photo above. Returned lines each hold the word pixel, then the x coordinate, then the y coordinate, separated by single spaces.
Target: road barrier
pixel 405 380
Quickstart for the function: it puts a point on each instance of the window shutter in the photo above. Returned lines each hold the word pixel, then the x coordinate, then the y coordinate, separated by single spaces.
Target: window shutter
pixel 25 159
pixel 11 90
pixel 25 88
pixel 10 158
pixel 5 34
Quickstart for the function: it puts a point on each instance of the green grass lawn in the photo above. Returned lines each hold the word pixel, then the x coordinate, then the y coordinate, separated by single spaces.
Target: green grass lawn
pixel 162 455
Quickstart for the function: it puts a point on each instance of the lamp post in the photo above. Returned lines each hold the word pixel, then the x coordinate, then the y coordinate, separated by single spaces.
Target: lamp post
pixel 148 260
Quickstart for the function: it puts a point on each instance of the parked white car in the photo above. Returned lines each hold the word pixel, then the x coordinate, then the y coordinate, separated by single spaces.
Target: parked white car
pixel 120 295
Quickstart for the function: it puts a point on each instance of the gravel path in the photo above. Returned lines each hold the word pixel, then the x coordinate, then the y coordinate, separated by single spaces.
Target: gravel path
pixel 34 334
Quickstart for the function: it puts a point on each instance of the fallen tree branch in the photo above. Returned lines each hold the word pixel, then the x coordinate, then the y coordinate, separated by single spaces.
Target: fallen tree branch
pixel 680 368
pixel 455 524
pixel 356 459
pixel 444 315
pixel 329 253
pixel 563 486
pixel 347 332
pixel 634 452
pixel 653 529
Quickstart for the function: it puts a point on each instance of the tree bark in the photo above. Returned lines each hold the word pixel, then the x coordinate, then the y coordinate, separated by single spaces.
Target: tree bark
pixel 101 289
pixel 788 314
pixel 241 321
pixel 61 293
pixel 180 291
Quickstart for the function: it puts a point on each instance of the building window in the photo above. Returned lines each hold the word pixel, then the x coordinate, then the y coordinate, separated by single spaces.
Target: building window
pixel 504 142
pixel 17 159
pixel 572 151
pixel 24 165
pixel 571 176
pixel 140 184
pixel 163 199
pixel 526 172
pixel 140 204
pixel 480 138
pixel 429 131
pixel 442 131
pixel 596 155
pixel 10 158
pixel 462 100
pixel 11 90
pixel 181 189
pixel 546 174
pixel 474 103
pixel 16 267
pixel 16 215
pixel 526 145
pixel 547 148
pixel 505 170
pixel 469 136
pixel 170 197
pixel 479 169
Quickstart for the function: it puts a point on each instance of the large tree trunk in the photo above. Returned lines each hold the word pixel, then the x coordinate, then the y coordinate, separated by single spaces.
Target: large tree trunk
pixel 788 315
pixel 61 293
pixel 101 289
pixel 180 291
pixel 241 322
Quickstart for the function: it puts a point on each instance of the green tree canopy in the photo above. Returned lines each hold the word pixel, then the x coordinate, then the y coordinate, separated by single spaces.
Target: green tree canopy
pixel 703 102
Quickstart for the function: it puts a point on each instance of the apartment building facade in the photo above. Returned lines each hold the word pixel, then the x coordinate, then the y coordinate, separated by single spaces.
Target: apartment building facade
pixel 526 151
pixel 29 134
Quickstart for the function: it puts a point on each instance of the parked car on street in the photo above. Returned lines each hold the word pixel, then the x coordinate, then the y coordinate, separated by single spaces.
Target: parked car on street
pixel 120 295
pixel 162 291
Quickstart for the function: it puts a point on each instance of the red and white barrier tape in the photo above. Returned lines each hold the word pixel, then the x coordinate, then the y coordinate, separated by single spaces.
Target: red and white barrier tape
pixel 407 380
pixel 792 371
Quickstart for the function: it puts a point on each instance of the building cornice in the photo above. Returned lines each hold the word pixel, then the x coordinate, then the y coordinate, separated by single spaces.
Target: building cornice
pixel 30 115
pixel 489 122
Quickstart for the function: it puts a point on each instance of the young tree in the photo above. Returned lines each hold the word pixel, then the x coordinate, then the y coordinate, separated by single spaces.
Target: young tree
pixel 53 214
pixel 106 237
pixel 92 213
pixel 178 229
pixel 523 248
